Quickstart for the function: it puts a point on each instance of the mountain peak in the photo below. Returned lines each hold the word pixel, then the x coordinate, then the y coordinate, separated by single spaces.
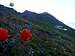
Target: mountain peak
pixel 1 6
pixel 46 13
pixel 50 36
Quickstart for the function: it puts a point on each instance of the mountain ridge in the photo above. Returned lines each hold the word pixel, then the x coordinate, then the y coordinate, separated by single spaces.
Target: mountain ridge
pixel 48 35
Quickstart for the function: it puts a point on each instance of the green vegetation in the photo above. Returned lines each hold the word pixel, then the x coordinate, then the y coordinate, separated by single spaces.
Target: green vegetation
pixel 46 39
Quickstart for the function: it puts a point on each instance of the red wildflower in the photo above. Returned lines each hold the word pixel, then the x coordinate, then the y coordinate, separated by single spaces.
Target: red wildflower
pixel 3 34
pixel 25 34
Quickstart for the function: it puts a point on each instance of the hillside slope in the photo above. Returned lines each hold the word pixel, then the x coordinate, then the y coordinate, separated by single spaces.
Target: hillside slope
pixel 48 35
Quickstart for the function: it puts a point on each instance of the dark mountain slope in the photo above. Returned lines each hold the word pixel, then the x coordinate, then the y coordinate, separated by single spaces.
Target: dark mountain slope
pixel 49 21
pixel 48 37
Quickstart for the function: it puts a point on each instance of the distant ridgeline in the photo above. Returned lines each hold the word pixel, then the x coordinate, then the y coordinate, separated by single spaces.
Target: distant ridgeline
pixel 50 37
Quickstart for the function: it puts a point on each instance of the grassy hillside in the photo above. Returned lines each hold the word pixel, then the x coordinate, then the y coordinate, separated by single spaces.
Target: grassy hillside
pixel 47 40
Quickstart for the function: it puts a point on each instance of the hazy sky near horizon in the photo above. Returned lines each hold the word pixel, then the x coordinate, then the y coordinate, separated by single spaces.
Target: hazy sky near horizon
pixel 63 10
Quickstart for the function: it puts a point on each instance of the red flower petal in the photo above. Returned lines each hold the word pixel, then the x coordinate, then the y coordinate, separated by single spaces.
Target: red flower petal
pixel 3 34
pixel 25 34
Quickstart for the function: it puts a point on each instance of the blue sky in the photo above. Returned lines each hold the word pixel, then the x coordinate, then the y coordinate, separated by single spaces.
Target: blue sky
pixel 63 10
